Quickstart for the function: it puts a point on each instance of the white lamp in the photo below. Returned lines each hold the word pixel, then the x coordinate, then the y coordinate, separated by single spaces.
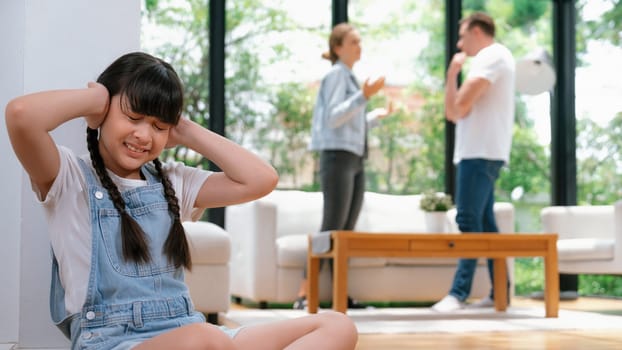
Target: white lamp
pixel 534 73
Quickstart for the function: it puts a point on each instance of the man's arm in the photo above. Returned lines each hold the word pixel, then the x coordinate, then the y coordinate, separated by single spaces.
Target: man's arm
pixel 465 97
pixel 459 101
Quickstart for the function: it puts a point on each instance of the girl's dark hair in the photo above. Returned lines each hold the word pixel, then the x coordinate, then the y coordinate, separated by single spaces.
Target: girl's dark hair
pixel 149 86
pixel 340 31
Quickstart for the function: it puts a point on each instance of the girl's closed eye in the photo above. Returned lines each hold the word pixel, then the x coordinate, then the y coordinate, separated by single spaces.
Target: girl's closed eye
pixel 161 126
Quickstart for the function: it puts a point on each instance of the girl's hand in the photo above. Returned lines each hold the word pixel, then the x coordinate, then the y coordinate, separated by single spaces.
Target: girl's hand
pixel 175 134
pixel 101 100
pixel 370 88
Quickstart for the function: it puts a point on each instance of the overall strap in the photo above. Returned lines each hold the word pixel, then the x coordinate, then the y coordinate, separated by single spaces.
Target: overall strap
pixel 89 173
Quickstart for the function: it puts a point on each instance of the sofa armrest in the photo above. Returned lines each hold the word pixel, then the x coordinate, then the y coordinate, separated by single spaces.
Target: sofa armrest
pixel 252 227
pixel 208 281
pixel 572 222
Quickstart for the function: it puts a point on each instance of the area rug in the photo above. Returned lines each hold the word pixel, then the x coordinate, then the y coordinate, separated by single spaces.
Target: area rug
pixel 425 320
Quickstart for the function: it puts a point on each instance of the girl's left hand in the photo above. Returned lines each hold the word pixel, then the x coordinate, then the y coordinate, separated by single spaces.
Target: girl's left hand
pixel 175 134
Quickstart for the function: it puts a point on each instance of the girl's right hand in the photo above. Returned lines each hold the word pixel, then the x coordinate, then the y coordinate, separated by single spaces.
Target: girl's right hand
pixel 101 103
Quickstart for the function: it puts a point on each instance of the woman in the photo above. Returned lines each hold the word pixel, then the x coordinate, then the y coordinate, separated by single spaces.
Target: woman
pixel 339 133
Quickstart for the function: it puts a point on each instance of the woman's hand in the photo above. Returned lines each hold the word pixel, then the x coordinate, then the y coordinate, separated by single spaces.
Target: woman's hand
pixel 370 88
pixel 101 103
pixel 385 112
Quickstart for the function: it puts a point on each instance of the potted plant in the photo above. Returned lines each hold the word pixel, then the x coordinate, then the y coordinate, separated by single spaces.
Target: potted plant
pixel 435 206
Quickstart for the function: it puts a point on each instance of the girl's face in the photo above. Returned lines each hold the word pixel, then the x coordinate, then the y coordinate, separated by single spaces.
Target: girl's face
pixel 128 140
pixel 350 50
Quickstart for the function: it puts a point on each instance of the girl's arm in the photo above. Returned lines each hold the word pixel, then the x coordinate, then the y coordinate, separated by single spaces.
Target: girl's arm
pixel 244 175
pixel 30 118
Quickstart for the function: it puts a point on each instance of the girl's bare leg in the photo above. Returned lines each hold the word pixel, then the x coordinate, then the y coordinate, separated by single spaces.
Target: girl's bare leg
pixel 327 330
pixel 197 336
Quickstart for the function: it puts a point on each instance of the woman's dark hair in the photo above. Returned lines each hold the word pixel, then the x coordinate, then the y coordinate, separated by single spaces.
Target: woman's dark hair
pixel 149 86
pixel 340 31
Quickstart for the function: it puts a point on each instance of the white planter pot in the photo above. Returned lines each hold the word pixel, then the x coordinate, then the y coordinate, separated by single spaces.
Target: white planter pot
pixel 436 221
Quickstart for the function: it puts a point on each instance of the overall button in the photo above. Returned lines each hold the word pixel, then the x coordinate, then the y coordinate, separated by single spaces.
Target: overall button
pixel 90 315
pixel 99 195
pixel 87 335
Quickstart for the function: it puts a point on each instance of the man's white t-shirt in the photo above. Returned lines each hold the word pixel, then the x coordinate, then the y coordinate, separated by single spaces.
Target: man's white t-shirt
pixel 69 223
pixel 486 132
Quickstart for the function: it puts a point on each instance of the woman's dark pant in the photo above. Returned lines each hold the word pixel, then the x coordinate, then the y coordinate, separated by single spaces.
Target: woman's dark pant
pixel 342 177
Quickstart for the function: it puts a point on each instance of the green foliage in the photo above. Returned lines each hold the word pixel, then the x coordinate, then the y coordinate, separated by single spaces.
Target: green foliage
pixel 599 161
pixel 529 278
pixel 600 285
pixel 609 26
pixel 528 275
pixel 527 12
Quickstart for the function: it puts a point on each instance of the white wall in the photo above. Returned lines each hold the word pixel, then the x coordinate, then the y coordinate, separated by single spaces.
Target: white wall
pixel 11 84
pixel 46 45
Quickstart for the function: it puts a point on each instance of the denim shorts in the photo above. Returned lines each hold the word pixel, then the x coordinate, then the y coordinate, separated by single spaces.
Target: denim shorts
pixel 127 337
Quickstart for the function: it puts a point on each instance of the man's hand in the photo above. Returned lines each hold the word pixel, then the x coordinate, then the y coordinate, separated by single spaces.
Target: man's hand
pixel 457 61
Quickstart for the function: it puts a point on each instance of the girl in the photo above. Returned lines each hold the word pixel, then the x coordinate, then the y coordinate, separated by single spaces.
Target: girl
pixel 119 248
pixel 339 134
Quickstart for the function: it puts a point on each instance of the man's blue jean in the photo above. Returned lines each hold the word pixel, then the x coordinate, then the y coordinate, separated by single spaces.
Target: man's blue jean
pixel 475 187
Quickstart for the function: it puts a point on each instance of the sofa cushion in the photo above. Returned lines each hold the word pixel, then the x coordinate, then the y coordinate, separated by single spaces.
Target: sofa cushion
pixel 291 251
pixel 585 249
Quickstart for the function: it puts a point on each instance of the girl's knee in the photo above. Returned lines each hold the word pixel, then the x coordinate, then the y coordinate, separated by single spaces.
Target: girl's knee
pixel 341 324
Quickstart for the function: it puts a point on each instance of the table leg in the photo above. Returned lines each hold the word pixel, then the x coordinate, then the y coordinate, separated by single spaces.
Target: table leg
pixel 340 275
pixel 500 281
pixel 551 282
pixel 313 270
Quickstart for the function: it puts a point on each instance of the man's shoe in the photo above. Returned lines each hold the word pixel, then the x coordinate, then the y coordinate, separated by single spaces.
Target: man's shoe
pixel 448 304
pixel 482 303
pixel 300 303
pixel 353 304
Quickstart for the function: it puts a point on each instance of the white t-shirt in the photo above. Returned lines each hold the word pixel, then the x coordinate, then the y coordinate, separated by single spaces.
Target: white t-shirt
pixel 69 224
pixel 486 132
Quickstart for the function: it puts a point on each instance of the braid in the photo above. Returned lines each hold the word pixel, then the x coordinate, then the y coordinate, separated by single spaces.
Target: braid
pixel 176 245
pixel 134 242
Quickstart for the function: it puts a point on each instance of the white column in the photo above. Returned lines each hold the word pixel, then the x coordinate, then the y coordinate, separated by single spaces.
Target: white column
pixel 46 45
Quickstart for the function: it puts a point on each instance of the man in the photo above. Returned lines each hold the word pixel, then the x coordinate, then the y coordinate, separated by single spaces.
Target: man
pixel 483 110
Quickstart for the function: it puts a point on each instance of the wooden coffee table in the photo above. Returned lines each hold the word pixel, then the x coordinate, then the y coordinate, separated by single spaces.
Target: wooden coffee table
pixel 347 244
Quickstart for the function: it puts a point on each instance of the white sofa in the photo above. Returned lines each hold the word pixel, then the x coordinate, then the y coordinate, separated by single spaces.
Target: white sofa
pixel 269 246
pixel 210 250
pixel 590 237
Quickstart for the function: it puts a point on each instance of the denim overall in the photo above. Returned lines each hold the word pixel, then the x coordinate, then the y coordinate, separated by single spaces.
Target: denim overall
pixel 126 302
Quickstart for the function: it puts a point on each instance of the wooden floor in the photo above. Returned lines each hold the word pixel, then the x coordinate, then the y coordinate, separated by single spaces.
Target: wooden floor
pixel 562 340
